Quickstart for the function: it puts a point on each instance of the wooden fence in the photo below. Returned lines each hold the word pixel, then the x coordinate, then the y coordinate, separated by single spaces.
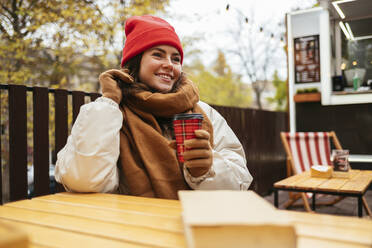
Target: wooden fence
pixel 259 133
pixel 257 130
pixel 16 167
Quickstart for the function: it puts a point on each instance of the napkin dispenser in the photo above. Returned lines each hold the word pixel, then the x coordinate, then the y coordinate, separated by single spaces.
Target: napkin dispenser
pixel 323 171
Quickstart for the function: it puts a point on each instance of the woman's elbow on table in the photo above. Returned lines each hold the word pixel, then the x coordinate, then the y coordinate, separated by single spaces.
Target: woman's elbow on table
pixel 88 184
pixel 94 176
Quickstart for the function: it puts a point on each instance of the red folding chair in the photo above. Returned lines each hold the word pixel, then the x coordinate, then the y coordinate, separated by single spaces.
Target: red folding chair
pixel 305 149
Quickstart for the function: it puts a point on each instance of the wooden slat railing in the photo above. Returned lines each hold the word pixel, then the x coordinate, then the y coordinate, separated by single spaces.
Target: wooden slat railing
pixel 259 133
pixel 18 149
pixel 1 166
pixel 257 130
pixel 41 140
pixel 18 142
pixel 77 101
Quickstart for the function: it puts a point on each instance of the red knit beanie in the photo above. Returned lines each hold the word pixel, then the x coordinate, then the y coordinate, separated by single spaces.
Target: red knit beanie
pixel 144 32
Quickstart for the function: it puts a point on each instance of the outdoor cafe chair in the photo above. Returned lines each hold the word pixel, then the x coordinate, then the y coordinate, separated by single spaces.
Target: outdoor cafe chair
pixel 303 150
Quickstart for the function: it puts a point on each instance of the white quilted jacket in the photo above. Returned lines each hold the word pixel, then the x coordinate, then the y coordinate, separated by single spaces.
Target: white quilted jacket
pixel 88 162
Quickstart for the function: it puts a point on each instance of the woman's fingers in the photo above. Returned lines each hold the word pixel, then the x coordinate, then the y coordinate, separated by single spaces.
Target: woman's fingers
pixel 197 163
pixel 197 143
pixel 201 134
pixel 196 154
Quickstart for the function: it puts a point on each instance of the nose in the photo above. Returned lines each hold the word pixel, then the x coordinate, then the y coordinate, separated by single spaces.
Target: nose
pixel 168 63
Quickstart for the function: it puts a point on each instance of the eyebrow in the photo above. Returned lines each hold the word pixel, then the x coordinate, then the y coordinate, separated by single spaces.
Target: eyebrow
pixel 163 51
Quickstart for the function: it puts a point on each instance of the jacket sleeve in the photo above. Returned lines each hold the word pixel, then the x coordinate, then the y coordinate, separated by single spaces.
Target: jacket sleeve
pixel 229 163
pixel 88 162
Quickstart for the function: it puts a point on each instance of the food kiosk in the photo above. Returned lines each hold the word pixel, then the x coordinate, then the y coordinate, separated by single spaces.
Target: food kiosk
pixel 329 50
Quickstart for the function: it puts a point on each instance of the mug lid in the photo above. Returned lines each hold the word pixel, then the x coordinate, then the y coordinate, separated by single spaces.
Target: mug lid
pixel 185 116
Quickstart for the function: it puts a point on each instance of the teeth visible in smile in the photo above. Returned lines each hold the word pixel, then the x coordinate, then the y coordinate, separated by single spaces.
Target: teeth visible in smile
pixel 164 76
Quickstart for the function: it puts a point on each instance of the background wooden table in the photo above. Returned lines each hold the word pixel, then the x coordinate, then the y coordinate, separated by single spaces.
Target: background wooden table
pixel 355 186
pixel 106 220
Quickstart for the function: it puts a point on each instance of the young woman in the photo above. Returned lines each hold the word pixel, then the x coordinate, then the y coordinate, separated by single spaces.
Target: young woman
pixel 122 142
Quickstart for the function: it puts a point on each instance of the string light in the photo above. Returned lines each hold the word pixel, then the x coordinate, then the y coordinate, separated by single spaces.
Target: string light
pixel 261 29
pixel 245 18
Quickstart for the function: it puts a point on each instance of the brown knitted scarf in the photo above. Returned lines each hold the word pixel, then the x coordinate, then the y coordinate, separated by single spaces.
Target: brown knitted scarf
pixel 149 167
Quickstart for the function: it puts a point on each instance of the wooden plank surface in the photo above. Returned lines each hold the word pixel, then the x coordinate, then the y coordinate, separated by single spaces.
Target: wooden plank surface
pixel 126 217
pixel 106 220
pixel 310 183
pixel 94 227
pixel 11 236
pixel 121 198
pixel 116 203
pixel 98 220
pixel 357 183
pixel 337 231
pixel 44 236
pixel 310 242
pixel 288 182
pixel 335 183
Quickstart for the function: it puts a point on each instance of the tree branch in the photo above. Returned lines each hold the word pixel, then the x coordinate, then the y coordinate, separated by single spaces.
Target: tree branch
pixel 5 8
pixel 3 30
pixel 24 17
pixel 33 2
pixel 94 5
pixel 7 17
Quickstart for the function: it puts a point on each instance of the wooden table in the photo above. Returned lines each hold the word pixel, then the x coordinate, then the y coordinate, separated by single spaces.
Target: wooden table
pixel 105 220
pixel 355 186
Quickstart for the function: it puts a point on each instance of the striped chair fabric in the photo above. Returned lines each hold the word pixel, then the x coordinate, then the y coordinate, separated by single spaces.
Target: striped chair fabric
pixel 308 149
pixel 305 149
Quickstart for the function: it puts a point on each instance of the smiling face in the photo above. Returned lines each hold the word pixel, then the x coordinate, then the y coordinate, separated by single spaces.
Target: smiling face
pixel 160 68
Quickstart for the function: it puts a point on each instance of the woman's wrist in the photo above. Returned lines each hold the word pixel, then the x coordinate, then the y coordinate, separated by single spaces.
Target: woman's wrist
pixel 198 179
pixel 107 100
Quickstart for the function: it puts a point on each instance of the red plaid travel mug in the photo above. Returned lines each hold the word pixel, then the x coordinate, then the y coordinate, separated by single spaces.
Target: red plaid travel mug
pixel 184 126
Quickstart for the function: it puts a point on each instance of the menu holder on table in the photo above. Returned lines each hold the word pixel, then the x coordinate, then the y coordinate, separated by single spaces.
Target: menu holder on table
pixel 233 219
pixel 340 162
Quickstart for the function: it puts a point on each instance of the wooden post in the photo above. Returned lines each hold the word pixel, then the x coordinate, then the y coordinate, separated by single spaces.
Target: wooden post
pixel 17 142
pixel 41 141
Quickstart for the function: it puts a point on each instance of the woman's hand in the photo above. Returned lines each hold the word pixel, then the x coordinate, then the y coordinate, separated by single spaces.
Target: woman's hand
pixel 198 160
pixel 109 84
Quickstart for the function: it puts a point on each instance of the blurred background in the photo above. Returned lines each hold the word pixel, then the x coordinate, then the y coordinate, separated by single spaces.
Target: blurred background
pixel 234 50
pixel 238 52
